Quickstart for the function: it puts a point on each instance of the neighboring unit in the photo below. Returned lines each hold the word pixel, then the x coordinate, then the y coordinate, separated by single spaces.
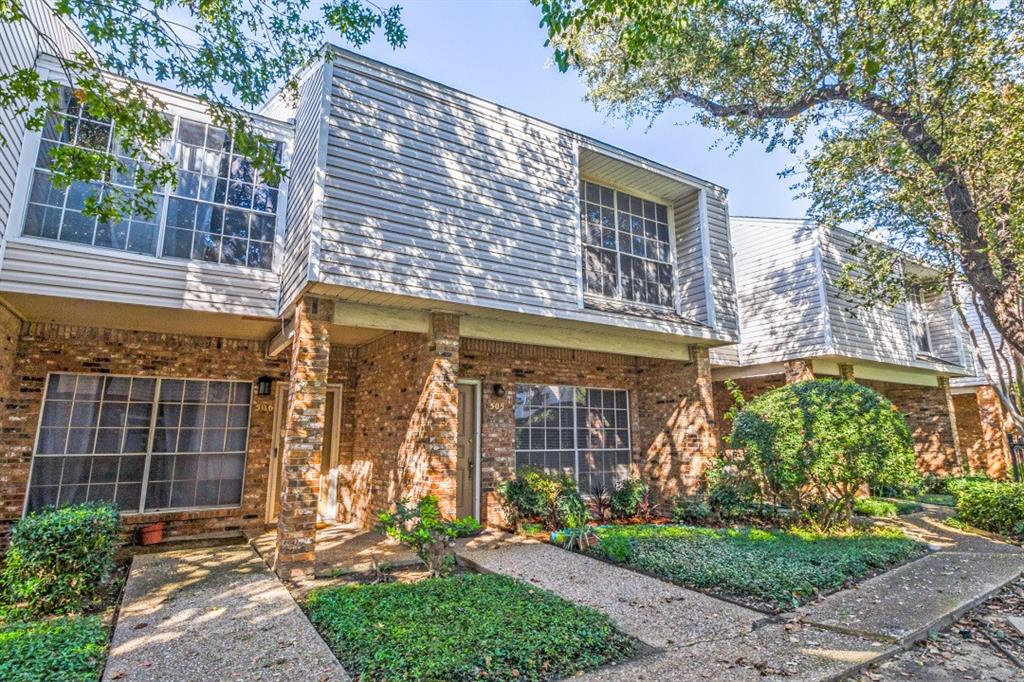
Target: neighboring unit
pixel 442 291
pixel 797 324
pixel 983 423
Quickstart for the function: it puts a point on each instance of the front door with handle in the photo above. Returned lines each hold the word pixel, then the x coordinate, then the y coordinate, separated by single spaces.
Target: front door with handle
pixel 465 470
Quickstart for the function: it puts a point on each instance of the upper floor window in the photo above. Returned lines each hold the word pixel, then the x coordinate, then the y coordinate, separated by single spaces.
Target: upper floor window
pixel 627 248
pixel 221 211
pixel 919 322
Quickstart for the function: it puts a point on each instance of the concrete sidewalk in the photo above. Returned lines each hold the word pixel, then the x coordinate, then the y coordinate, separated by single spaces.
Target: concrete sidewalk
pixel 213 614
pixel 699 637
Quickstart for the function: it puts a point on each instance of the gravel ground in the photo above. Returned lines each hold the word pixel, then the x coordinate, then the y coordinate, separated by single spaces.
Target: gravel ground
pixel 205 614
pixel 979 646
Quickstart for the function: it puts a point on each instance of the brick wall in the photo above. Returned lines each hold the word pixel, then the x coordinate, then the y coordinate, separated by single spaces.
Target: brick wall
pixel 749 388
pixel 44 348
pixel 671 413
pixel 404 427
pixel 981 426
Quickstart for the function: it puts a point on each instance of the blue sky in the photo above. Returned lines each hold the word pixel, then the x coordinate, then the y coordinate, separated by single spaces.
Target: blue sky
pixel 495 49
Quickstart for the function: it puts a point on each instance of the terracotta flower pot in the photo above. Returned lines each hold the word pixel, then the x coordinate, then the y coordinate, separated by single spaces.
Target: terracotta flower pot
pixel 151 534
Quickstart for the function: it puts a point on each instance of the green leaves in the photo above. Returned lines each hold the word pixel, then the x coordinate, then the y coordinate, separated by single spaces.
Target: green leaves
pixel 777 569
pixel 464 627
pixel 60 649
pixel 226 53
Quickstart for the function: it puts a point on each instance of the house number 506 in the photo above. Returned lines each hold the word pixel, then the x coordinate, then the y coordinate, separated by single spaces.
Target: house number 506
pixel 264 407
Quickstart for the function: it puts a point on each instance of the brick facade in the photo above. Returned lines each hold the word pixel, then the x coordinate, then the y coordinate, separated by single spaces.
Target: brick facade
pixel 982 427
pixel 44 348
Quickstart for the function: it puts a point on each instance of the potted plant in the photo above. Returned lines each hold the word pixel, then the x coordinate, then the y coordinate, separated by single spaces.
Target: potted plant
pixel 151 533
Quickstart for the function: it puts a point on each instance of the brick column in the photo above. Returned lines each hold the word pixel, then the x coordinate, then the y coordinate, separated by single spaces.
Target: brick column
pixel 846 372
pixel 994 426
pixel 304 436
pixel 797 370
pixel 440 398
pixel 962 464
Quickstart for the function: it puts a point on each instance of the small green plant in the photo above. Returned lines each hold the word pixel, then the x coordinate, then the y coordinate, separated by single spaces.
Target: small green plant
pixel 580 538
pixel 600 502
pixel 65 648
pixel 628 497
pixel 466 527
pixel 534 494
pixel 532 528
pixel 690 510
pixel 424 529
pixel 872 506
pixel 59 559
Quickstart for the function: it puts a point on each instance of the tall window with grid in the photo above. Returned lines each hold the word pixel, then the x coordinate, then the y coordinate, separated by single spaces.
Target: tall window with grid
pixel 219 211
pixel 583 432
pixel 144 443
pixel 627 247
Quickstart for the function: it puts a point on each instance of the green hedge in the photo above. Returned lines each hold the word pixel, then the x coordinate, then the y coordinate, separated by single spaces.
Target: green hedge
pixel 59 559
pixel 992 506
pixel 55 650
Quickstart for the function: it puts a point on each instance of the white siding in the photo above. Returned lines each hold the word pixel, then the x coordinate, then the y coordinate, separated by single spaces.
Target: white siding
pixel 51 268
pixel 777 281
pixel 436 194
pixel 974 319
pixel 690 258
pixel 724 294
pixel 306 183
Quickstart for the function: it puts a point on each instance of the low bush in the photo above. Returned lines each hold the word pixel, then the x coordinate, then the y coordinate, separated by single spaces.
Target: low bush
pixel 955 485
pixel 777 569
pixel 59 559
pixel 992 506
pixel 811 446
pixel 422 528
pixel 632 497
pixel 536 495
pixel 57 649
pixel 462 628
pixel 690 510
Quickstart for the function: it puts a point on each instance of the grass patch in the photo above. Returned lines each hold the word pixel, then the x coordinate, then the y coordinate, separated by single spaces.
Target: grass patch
pixel 884 508
pixel 936 498
pixel 775 569
pixel 58 649
pixel 463 627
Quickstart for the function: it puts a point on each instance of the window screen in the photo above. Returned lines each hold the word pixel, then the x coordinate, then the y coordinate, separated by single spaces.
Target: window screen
pixel 145 443
pixel 627 249
pixel 583 432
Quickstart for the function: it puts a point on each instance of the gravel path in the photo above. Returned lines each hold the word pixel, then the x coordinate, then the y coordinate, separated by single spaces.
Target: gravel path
pixel 213 614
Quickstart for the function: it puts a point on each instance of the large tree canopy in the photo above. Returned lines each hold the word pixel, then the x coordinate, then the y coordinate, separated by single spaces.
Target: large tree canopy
pixel 230 54
pixel 917 108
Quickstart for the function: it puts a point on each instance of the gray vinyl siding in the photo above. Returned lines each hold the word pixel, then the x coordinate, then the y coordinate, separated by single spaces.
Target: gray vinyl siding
pixel 20 45
pixel 55 269
pixel 974 319
pixel 690 258
pixel 436 194
pixel 781 316
pixel 305 185
pixel 724 294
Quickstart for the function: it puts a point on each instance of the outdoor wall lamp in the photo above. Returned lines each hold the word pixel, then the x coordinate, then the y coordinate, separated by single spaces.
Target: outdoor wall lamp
pixel 499 390
pixel 263 385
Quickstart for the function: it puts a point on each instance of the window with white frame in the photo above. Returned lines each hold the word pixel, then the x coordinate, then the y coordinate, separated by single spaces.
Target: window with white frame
pixel 919 325
pixel 145 443
pixel 627 248
pixel 583 432
pixel 221 210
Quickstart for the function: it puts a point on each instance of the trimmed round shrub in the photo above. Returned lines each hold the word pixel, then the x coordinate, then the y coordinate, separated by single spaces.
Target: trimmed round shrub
pixel 59 559
pixel 813 445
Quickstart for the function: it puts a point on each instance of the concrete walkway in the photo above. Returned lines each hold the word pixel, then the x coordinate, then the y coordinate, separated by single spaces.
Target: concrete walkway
pixel 213 614
pixel 698 637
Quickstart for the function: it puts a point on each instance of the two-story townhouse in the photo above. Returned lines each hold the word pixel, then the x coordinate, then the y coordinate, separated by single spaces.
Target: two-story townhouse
pixel 442 290
pixel 983 424
pixel 797 323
